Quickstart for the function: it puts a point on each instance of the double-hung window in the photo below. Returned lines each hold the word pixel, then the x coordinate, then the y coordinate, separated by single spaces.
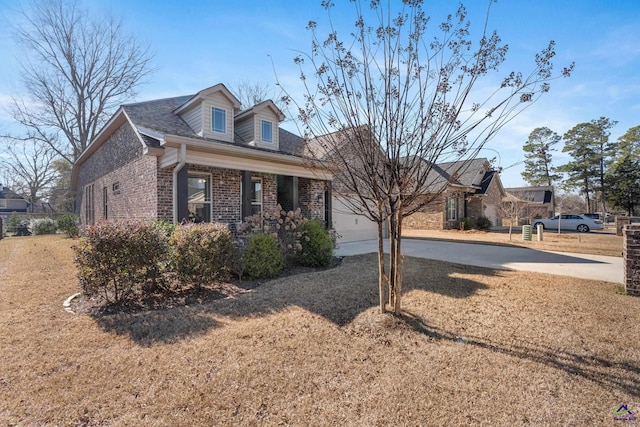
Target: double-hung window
pixel 199 201
pixel 452 209
pixel 267 131
pixel 218 120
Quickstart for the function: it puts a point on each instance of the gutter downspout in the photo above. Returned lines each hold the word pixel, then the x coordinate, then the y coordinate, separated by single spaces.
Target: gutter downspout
pixel 182 159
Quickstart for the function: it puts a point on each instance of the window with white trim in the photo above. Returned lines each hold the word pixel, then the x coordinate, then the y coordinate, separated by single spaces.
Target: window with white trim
pixel 218 120
pixel 452 209
pixel 267 131
pixel 199 197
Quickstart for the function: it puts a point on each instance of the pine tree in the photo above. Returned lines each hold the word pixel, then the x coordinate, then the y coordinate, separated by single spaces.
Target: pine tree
pixel 578 142
pixel 537 166
pixel 624 184
pixel 588 144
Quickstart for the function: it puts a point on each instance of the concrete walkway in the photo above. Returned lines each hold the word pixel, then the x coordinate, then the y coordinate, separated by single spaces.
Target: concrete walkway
pixel 594 267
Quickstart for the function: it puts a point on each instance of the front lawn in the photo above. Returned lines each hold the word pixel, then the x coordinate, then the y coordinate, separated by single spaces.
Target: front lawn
pixel 474 346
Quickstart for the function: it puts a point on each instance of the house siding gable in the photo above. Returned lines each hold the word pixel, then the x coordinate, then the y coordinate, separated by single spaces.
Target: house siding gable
pixel 218 100
pixel 266 114
pixel 245 130
pixel 193 118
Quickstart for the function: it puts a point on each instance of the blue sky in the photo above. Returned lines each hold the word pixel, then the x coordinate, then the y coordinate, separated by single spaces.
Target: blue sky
pixel 199 44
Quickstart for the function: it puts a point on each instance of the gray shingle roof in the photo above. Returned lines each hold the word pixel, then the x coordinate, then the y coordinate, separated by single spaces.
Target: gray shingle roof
pixel 158 116
pixel 7 193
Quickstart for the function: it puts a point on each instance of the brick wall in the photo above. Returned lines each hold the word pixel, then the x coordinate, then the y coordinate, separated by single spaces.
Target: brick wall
pixel 431 217
pixel 311 198
pixel 120 172
pixel 631 259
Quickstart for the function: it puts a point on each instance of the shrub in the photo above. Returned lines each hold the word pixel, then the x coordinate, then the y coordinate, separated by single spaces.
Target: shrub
pixel 117 259
pixel 41 226
pixel 69 224
pixel 262 257
pixel 483 223
pixel 316 246
pixel 165 227
pixel 13 222
pixel 201 253
pixel 285 226
pixel 466 224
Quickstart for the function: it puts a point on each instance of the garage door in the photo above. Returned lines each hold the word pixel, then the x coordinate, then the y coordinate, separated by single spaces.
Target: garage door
pixel 350 226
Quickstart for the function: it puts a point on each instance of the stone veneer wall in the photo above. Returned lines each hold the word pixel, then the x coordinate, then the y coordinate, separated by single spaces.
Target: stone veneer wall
pixel 631 259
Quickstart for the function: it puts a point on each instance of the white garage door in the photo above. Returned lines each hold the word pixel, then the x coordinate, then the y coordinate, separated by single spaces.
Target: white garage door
pixel 351 227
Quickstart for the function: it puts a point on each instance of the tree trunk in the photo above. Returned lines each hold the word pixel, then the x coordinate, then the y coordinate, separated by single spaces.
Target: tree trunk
pixel 392 259
pixel 381 276
pixel 398 267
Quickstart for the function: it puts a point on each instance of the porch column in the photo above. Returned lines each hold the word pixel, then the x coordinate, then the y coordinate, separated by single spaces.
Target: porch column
pixel 328 207
pixel 183 194
pixel 246 194
pixel 294 193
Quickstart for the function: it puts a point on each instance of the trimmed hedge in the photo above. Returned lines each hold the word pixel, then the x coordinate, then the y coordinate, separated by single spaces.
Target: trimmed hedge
pixel 316 246
pixel 262 258
pixel 202 253
pixel 116 260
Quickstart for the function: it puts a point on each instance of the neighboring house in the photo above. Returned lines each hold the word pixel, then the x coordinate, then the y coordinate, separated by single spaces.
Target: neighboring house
pixel 471 189
pixel 10 202
pixel 197 158
pixel 541 202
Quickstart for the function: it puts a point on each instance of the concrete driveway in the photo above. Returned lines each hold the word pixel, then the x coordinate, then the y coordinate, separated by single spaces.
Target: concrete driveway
pixel 594 267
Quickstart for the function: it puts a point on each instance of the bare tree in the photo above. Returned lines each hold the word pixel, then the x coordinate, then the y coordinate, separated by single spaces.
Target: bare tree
pixel 251 94
pixel 513 207
pixel 76 71
pixel 384 107
pixel 31 166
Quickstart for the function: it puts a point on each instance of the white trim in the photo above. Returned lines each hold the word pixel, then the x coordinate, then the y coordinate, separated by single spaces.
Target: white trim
pixel 225 111
pixel 271 138
pixel 217 154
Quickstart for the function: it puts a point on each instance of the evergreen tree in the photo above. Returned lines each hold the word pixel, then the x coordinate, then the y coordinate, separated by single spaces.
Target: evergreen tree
pixel 578 142
pixel 628 146
pixel 624 184
pixel 588 144
pixel 537 166
pixel 605 151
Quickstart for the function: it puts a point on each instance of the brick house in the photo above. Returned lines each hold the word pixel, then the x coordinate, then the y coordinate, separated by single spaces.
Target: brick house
pixel 540 202
pixel 199 158
pixel 467 190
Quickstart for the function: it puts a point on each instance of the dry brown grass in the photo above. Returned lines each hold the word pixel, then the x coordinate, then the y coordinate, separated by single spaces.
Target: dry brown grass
pixel 595 242
pixel 474 346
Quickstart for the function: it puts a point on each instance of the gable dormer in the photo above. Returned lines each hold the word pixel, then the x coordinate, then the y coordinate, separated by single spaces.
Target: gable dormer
pixel 258 126
pixel 210 113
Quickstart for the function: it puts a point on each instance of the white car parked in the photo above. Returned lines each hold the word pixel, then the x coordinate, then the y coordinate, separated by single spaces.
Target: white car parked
pixel 579 223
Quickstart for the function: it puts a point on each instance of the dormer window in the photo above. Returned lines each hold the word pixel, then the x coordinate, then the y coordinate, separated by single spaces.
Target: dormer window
pixel 218 120
pixel 267 131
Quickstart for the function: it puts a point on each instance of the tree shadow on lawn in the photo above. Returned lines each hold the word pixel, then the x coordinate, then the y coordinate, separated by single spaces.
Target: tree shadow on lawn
pixel 339 294
pixel 617 375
